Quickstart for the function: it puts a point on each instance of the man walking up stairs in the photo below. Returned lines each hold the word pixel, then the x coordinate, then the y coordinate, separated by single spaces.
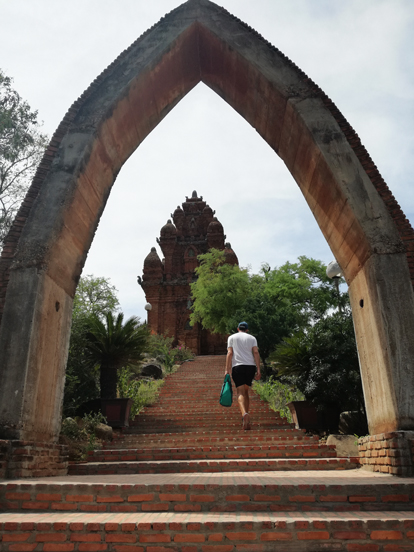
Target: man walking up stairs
pixel 186 477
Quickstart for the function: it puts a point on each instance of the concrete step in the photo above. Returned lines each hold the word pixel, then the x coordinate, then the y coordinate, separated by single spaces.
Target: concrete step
pixel 208 532
pixel 212 466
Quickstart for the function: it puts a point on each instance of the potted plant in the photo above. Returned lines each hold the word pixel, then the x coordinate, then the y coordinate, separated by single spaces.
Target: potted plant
pixel 111 345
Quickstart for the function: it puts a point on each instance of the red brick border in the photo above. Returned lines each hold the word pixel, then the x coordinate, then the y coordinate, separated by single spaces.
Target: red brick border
pixel 388 452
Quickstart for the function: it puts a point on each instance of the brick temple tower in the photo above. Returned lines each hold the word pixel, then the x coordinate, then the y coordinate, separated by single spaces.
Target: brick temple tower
pixel 166 284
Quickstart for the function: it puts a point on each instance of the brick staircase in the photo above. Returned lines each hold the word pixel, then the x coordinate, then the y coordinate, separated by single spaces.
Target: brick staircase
pixel 185 477
pixel 187 431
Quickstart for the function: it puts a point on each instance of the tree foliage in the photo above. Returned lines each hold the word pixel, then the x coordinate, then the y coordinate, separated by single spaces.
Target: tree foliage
pixel 219 290
pixel 323 361
pixel 94 296
pixel 275 302
pixel 301 319
pixel 21 148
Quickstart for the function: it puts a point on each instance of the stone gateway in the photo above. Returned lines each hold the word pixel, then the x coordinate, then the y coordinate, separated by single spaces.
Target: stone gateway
pixel 48 243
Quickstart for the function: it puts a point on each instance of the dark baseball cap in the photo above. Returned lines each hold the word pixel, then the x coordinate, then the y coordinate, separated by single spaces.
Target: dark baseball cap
pixel 243 326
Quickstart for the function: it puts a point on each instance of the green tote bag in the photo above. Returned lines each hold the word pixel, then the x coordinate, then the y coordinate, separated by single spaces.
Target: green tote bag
pixel 226 395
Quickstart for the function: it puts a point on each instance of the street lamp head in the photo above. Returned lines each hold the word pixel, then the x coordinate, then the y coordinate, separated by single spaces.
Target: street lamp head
pixel 148 307
pixel 333 270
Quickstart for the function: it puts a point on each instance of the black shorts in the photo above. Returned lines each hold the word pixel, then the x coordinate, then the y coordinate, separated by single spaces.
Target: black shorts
pixel 243 374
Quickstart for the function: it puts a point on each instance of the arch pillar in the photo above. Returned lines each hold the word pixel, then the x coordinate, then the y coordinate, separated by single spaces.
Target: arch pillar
pixel 47 246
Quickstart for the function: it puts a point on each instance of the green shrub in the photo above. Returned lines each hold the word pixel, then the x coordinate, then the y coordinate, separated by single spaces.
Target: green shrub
pixel 141 392
pixel 79 435
pixel 72 430
pixel 161 348
pixel 278 395
pixel 181 354
pixel 90 421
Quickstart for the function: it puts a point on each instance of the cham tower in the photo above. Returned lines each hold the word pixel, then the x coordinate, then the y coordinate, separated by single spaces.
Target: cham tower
pixel 192 231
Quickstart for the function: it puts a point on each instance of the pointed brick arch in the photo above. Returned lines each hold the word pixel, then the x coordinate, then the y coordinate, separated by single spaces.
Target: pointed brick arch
pixel 47 246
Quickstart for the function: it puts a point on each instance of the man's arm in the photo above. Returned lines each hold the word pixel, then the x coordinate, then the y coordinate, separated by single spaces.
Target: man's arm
pixel 256 355
pixel 228 360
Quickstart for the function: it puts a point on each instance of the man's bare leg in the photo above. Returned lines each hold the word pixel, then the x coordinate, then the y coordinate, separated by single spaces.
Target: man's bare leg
pixel 244 404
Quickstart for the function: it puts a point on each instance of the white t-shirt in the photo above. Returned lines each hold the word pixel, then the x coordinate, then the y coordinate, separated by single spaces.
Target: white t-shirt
pixel 242 344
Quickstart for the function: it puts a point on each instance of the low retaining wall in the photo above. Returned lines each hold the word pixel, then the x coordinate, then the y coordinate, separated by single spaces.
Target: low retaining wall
pixel 388 453
pixel 30 459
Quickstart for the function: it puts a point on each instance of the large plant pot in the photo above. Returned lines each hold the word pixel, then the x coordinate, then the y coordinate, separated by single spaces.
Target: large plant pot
pixel 116 411
pixel 306 416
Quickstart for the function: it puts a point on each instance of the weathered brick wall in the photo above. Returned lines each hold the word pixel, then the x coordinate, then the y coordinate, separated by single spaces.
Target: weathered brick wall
pixel 28 459
pixel 388 452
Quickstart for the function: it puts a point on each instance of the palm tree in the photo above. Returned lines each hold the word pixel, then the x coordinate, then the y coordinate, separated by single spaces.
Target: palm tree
pixel 111 345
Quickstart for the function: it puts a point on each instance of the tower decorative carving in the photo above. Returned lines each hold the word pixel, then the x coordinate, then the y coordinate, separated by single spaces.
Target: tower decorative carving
pixel 192 230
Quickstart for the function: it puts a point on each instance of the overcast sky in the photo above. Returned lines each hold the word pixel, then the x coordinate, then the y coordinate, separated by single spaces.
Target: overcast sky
pixel 360 52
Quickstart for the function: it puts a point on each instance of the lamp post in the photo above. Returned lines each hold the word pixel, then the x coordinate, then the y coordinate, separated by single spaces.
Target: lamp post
pixel 334 271
pixel 148 307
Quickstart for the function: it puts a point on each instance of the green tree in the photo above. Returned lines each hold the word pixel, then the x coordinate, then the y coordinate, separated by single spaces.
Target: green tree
pixel 288 299
pixel 275 302
pixel 111 345
pixel 218 292
pixel 21 148
pixel 270 319
pixel 323 361
pixel 94 296
pixel 306 288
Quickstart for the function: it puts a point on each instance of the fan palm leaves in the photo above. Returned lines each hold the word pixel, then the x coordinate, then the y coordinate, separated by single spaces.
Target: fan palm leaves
pixel 113 344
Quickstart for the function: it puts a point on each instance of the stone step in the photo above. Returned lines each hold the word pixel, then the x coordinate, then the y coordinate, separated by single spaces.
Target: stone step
pixel 212 466
pixel 218 452
pixel 208 532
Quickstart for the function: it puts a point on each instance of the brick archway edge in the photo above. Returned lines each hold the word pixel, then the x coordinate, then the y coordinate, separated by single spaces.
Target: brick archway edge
pixel 47 246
